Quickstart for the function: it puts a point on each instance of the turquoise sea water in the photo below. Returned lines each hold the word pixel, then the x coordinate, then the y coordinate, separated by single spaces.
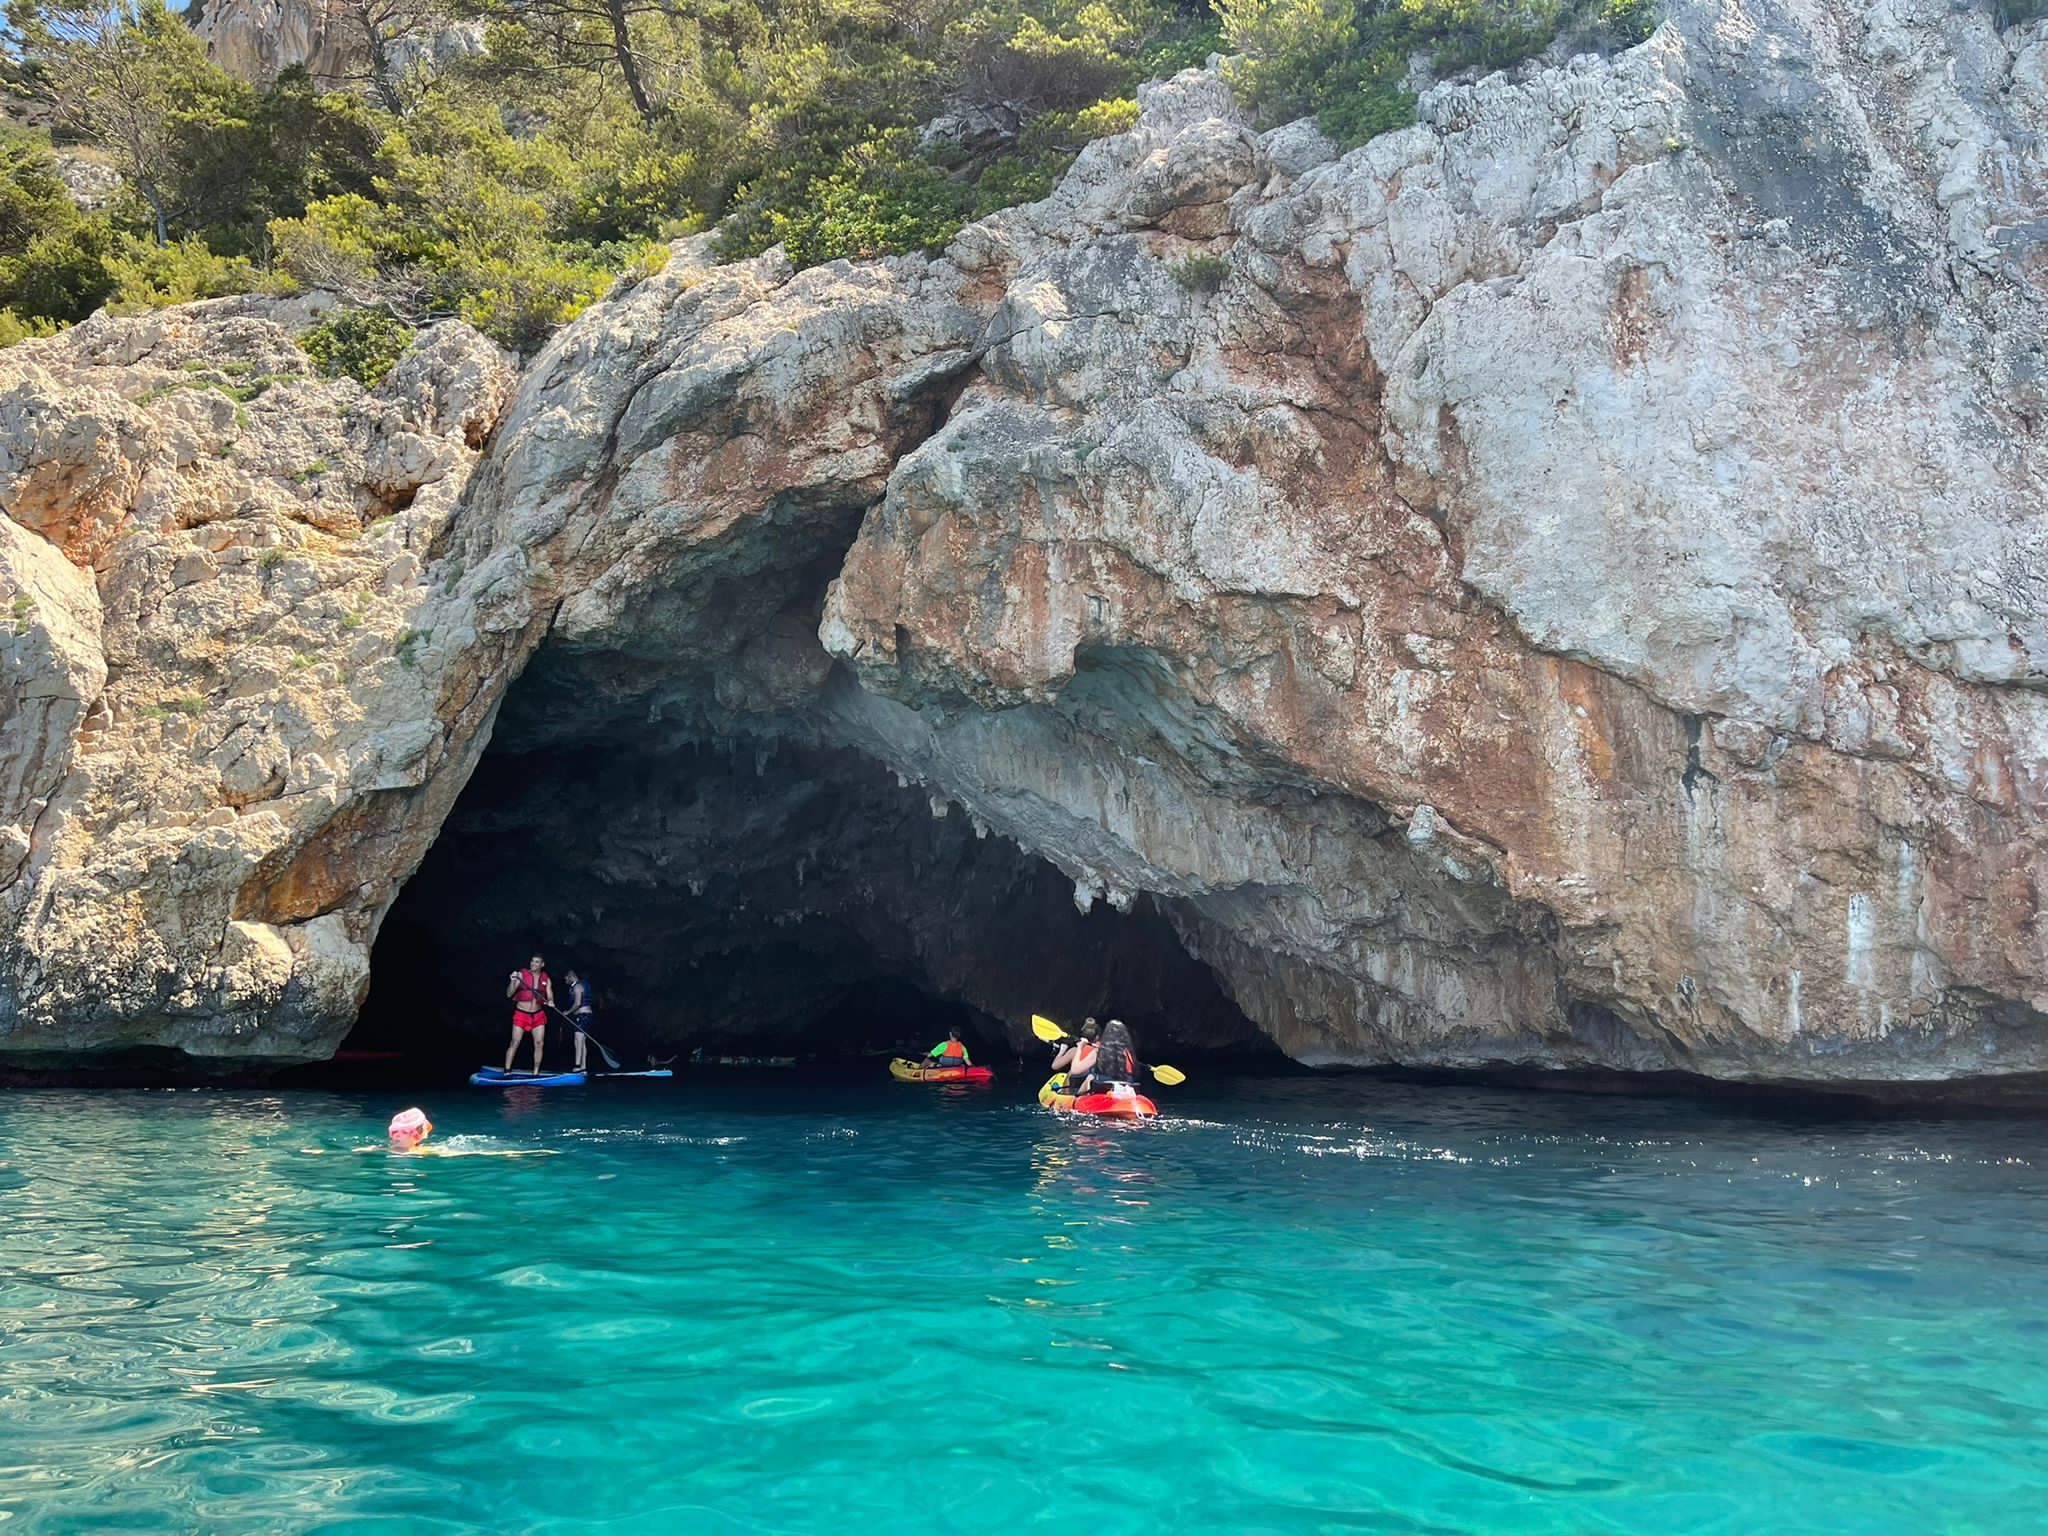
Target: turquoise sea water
pixel 1303 1306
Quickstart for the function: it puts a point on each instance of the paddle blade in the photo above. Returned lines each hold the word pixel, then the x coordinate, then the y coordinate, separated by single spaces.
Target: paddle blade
pixel 1045 1029
pixel 1169 1075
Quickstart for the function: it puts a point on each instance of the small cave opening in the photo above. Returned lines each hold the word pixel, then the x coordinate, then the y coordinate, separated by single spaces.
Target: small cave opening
pixel 752 894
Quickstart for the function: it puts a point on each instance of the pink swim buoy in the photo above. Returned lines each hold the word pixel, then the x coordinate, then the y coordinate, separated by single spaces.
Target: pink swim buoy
pixel 410 1127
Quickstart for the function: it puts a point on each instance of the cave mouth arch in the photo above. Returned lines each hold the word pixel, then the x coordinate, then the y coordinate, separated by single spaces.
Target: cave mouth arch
pixel 750 889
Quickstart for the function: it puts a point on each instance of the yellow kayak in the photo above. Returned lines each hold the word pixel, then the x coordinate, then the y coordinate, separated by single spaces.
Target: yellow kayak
pixel 910 1072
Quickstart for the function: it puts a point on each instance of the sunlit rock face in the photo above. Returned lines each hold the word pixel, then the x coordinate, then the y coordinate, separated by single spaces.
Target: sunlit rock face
pixel 257 40
pixel 1570 595
pixel 236 705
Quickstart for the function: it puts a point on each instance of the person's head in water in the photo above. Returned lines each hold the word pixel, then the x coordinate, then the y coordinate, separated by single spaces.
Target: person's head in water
pixel 408 1128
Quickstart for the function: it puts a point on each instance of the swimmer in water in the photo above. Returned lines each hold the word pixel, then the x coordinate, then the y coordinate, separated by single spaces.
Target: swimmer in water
pixel 410 1128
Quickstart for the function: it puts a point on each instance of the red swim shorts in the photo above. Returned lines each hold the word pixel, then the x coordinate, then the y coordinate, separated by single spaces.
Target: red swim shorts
pixel 528 1020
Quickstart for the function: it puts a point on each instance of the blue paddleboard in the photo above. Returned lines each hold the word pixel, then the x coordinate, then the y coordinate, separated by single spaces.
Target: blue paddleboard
pixel 498 1077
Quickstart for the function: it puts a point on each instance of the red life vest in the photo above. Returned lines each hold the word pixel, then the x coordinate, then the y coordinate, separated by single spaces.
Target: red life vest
pixel 527 998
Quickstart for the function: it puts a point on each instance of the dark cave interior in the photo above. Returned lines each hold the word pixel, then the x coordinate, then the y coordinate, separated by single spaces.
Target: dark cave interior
pixel 751 894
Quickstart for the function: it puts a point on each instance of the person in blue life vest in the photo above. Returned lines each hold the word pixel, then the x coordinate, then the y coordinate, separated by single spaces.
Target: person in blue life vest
pixel 581 1011
pixel 949 1052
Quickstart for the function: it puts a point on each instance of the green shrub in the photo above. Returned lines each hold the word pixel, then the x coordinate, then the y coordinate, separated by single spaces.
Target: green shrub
pixel 1346 61
pixel 1366 113
pixel 518 300
pixel 1202 272
pixel 332 245
pixel 1633 20
pixel 515 188
pixel 150 276
pixel 13 328
pixel 1288 51
pixel 363 344
pixel 1484 34
pixel 241 393
pixel 880 199
pixel 53 258
pixel 1187 46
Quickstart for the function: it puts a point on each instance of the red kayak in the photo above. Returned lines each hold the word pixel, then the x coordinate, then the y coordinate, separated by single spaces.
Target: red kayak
pixel 1128 1104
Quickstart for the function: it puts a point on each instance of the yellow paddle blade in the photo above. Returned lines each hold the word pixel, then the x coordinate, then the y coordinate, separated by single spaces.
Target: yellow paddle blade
pixel 1045 1029
pixel 1169 1075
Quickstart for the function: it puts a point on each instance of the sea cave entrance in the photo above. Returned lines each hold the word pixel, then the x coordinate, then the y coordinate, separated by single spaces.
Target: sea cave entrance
pixel 752 891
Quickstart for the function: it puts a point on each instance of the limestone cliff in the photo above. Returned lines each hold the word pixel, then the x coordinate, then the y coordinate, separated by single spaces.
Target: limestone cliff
pixel 1566 588
pixel 257 40
pixel 236 710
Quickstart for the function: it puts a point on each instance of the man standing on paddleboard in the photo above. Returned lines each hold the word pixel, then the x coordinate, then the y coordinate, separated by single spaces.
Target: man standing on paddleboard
pixel 580 1014
pixel 532 994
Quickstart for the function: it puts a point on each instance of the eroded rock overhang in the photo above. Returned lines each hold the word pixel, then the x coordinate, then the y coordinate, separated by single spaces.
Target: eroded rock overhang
pixel 1570 596
pixel 1515 618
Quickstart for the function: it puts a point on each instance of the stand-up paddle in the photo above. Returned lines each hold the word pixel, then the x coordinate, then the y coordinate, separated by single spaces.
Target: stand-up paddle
pixel 1052 1034
pixel 609 1059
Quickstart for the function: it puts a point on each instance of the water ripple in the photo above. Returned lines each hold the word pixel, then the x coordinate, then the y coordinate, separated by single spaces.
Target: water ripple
pixel 1293 1308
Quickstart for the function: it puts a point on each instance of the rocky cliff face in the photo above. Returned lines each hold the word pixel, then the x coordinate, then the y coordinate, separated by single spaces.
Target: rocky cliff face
pixel 236 710
pixel 1571 594
pixel 257 40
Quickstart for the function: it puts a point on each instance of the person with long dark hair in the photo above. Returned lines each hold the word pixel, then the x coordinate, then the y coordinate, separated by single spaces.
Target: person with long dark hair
pixel 1116 1061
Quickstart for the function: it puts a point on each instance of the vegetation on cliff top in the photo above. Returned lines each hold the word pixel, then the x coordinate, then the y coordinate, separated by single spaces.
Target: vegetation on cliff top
pixel 513 186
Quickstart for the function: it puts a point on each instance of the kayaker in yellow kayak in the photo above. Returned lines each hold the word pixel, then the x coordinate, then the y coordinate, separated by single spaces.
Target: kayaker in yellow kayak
pixel 949 1052
pixel 1078 1055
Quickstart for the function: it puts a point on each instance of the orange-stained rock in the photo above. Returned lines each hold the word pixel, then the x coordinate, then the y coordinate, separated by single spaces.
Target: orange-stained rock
pixel 232 739
pixel 1572 596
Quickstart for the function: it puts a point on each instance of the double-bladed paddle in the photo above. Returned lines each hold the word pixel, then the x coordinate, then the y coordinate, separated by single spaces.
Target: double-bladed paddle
pixel 1052 1034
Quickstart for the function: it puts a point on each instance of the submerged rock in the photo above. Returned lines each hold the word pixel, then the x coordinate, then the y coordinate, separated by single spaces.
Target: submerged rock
pixel 1562 585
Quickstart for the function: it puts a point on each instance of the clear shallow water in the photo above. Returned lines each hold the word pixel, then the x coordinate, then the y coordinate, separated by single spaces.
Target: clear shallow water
pixel 1308 1306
